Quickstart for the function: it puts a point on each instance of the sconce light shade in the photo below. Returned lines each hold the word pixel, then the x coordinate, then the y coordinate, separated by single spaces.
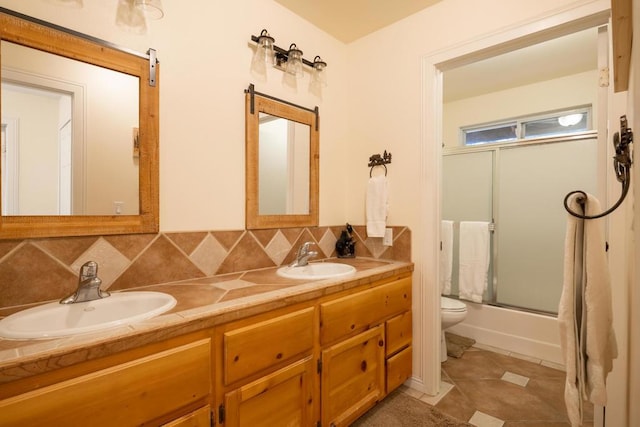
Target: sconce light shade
pixel 264 54
pixel 130 18
pixel 151 8
pixel 319 75
pixel 294 61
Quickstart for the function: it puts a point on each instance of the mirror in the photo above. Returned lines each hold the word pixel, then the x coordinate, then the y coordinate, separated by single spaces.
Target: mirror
pixel 282 160
pixel 79 134
pixel 283 165
pixel 56 163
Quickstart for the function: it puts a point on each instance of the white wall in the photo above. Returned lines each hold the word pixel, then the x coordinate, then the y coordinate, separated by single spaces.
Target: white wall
pixel 389 113
pixel 38 129
pixel 566 92
pixel 205 53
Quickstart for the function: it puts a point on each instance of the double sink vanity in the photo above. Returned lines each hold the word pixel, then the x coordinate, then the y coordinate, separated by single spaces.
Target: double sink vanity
pixel 315 345
pixel 315 351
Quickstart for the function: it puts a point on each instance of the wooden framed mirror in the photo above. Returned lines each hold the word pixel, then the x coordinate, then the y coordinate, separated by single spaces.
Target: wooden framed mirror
pixel 282 163
pixel 87 164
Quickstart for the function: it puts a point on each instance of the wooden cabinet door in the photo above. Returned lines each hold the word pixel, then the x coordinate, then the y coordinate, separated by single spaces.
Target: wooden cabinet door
pixel 283 398
pixel 129 394
pixel 353 377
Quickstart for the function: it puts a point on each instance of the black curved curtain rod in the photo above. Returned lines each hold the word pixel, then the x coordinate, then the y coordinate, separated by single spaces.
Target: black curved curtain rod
pixel 622 166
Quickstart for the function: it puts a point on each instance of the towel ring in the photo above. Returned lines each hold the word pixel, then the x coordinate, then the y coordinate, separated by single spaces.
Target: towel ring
pixel 378 160
pixel 622 167
pixel 583 199
pixel 371 170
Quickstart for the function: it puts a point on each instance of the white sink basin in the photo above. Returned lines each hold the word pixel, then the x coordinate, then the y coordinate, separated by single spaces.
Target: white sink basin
pixel 58 320
pixel 317 270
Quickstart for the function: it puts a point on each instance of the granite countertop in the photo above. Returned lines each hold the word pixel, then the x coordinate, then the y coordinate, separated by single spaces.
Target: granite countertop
pixel 201 304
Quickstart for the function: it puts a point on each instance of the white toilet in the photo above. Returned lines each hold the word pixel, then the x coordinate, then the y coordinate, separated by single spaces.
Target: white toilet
pixel 452 312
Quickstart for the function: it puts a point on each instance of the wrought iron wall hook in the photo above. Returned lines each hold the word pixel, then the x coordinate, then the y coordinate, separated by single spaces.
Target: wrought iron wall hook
pixel 622 161
pixel 378 160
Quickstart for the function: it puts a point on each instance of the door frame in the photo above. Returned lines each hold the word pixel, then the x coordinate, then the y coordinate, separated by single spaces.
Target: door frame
pixel 561 22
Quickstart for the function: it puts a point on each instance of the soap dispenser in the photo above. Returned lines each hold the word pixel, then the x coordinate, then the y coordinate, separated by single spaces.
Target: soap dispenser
pixel 345 246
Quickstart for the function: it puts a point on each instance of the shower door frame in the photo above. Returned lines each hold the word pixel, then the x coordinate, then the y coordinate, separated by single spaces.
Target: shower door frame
pixel 496 149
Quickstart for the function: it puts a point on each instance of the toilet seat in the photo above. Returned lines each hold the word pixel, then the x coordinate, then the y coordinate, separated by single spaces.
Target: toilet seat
pixel 450 304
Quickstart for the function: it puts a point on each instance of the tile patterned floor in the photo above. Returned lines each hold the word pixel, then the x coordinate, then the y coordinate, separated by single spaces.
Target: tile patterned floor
pixel 488 387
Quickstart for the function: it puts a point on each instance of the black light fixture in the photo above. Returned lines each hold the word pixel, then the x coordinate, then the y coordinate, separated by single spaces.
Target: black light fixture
pixel 289 61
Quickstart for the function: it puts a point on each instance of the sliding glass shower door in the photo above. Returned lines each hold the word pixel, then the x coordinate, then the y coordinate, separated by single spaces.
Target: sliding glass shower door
pixel 521 188
pixel 467 189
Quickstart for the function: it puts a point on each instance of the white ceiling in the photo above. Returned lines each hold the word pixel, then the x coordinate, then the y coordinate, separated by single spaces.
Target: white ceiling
pixel 571 54
pixel 348 20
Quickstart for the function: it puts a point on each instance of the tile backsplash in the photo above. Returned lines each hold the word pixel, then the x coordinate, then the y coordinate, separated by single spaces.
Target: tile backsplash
pixel 39 270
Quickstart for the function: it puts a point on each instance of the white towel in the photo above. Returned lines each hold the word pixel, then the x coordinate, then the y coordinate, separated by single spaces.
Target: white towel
pixel 377 206
pixel 585 316
pixel 473 259
pixel 446 256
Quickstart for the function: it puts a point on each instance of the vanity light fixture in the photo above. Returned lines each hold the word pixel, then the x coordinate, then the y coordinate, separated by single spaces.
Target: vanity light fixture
pixel 294 61
pixel 151 8
pixel 264 54
pixel 319 75
pixel 289 61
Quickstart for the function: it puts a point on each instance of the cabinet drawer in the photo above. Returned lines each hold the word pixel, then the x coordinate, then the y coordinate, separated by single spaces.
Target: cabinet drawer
pixel 354 313
pixel 398 333
pixel 398 369
pixel 259 346
pixel 128 394
pixel 198 418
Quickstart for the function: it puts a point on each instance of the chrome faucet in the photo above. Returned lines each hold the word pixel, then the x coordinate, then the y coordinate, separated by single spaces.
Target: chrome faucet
pixel 88 285
pixel 302 258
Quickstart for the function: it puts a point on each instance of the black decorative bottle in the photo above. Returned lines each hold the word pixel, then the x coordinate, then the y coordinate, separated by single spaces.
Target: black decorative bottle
pixel 345 246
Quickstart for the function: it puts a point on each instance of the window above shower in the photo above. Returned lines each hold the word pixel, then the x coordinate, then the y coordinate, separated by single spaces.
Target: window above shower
pixel 544 125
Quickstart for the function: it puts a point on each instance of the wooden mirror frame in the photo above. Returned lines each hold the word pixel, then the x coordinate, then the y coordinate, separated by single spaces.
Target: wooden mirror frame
pixel 26 31
pixel 255 103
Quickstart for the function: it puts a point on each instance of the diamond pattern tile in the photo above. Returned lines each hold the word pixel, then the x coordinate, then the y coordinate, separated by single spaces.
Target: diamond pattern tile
pixel 39 270
pixel 161 262
pixel 278 248
pixel 209 255
pixel 111 263
pixel 328 243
